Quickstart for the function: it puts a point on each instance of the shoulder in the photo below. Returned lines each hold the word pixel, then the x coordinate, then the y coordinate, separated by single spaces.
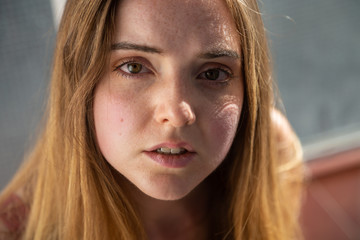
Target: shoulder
pixel 290 167
pixel 283 130
pixel 290 170
pixel 13 214
pixel 289 150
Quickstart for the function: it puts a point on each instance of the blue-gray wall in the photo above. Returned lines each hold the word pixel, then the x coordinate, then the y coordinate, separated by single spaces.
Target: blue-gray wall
pixel 26 45
pixel 316 49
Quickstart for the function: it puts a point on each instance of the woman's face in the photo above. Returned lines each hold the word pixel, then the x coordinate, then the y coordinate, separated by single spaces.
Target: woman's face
pixel 167 107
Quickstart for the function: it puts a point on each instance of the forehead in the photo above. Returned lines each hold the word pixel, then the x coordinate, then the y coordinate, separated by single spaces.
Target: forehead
pixel 171 23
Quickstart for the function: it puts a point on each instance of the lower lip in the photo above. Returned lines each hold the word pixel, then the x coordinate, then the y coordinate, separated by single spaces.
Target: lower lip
pixel 171 161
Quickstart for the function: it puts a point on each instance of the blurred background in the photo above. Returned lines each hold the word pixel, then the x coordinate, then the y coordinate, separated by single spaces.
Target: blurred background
pixel 316 51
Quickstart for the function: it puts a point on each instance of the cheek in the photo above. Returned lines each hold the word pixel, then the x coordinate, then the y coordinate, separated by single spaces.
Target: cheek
pixel 107 124
pixel 111 120
pixel 226 120
pixel 223 128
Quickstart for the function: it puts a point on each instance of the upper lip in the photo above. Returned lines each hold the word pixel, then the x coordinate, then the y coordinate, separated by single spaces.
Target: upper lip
pixel 184 145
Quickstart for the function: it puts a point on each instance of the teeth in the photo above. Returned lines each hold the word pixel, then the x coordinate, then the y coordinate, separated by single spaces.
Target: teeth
pixel 166 150
pixel 175 151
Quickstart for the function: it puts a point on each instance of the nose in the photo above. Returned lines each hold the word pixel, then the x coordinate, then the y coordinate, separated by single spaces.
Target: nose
pixel 173 106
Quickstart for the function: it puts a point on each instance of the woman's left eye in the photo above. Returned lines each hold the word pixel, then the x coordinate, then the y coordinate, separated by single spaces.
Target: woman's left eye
pixel 215 74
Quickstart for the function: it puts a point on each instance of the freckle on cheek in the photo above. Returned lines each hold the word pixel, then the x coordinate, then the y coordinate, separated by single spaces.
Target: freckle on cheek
pixel 121 121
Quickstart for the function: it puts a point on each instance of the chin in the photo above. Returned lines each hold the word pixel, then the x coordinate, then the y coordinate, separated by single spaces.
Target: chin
pixel 168 196
pixel 167 191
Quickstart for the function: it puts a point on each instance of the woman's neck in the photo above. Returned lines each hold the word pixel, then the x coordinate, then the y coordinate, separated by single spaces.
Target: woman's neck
pixel 186 218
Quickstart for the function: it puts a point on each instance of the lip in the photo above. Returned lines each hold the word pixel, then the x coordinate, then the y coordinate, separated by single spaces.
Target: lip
pixel 172 161
pixel 184 145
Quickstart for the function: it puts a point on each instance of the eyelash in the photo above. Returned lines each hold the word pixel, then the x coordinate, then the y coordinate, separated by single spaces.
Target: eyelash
pixel 212 82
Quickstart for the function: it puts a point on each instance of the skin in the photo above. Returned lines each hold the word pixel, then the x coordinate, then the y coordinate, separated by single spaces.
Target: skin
pixel 170 101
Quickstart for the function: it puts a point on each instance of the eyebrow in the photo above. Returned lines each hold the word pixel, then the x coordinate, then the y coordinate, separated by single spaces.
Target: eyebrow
pixel 216 53
pixel 137 47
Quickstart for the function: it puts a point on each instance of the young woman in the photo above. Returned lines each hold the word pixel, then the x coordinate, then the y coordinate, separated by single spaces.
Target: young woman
pixel 160 125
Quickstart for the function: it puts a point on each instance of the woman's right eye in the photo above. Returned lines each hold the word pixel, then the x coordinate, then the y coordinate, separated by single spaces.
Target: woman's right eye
pixel 131 68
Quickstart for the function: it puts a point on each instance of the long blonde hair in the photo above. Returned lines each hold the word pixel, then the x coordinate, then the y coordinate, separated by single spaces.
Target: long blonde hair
pixel 71 188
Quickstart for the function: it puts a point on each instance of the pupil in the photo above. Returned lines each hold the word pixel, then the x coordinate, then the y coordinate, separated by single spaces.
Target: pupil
pixel 134 67
pixel 212 74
